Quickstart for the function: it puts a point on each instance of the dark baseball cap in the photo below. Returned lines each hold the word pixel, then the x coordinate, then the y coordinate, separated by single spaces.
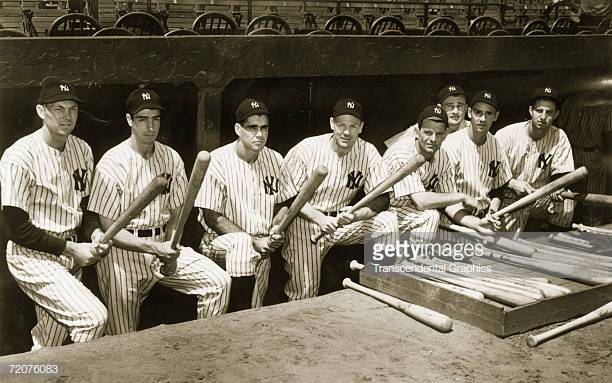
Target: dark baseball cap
pixel 143 98
pixel 250 107
pixel 57 90
pixel 450 90
pixel 546 92
pixel 433 112
pixel 485 96
pixel 348 106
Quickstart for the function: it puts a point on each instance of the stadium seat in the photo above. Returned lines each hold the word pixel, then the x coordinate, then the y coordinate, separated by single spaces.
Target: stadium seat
pixel 269 22
pixel 536 24
pixel 537 32
pixel 113 31
pixel 442 23
pixel 11 33
pixel 483 25
pixel 320 32
pixel 215 23
pixel 387 23
pixel 265 32
pixel 74 24
pixel 499 32
pixel 182 32
pixel 564 26
pixel 344 25
pixel 141 24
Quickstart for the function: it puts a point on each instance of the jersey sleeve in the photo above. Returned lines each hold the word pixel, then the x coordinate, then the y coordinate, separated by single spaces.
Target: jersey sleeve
pixel 213 193
pixel 15 182
pixel 563 159
pixel 377 171
pixel 410 184
pixel 294 172
pixel 178 188
pixel 285 190
pixel 90 171
pixel 446 184
pixel 106 191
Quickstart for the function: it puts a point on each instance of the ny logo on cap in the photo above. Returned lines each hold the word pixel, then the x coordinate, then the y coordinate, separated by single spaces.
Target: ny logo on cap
pixel 350 104
pixel 146 96
pixel 547 90
pixel 452 89
pixel 64 88
pixel 487 95
pixel 437 110
pixel 254 105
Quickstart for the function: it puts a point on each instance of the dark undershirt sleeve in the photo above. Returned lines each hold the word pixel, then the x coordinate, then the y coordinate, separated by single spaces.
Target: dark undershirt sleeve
pixel 27 235
pixel 91 220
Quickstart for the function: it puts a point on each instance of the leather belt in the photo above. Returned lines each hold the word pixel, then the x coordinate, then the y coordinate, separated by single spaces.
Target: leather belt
pixel 331 213
pixel 143 233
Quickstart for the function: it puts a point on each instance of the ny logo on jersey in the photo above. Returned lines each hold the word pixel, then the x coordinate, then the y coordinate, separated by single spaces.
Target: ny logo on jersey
pixel 64 88
pixel 433 183
pixel 146 96
pixel 270 185
pixel 544 159
pixel 354 179
pixel 494 168
pixel 80 178
pixel 254 104
pixel 168 183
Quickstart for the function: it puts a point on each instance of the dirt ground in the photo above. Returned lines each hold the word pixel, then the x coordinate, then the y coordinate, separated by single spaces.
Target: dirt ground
pixel 343 337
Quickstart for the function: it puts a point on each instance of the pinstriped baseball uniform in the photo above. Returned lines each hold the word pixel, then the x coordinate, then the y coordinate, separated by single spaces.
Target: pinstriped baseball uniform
pixel 49 184
pixel 126 277
pixel 245 193
pixel 477 169
pixel 535 162
pixel 434 175
pixel 361 167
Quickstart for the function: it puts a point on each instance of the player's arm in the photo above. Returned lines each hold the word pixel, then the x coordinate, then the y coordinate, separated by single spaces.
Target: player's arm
pixel 377 205
pixel 326 223
pixel 496 196
pixel 461 216
pixel 433 200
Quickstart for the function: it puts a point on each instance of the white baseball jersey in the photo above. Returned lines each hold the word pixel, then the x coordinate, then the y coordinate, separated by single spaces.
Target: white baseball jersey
pixel 121 176
pixel 47 183
pixel 477 169
pixel 244 193
pixel 362 166
pixel 434 175
pixel 535 161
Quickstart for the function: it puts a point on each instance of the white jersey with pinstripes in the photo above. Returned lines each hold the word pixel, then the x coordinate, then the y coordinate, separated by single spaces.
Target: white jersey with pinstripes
pixel 477 169
pixel 362 166
pixel 245 193
pixel 47 183
pixel 535 161
pixel 121 176
pixel 434 175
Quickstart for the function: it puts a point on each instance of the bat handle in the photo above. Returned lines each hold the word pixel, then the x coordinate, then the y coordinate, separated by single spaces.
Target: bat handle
pixel 316 237
pixel 169 267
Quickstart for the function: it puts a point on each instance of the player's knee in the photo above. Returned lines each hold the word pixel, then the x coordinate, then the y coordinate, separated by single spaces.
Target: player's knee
pixel 225 283
pixel 432 218
pixel 386 222
pixel 98 317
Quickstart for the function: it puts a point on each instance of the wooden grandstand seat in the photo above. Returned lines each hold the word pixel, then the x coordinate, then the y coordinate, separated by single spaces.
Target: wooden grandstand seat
pixel 182 32
pixel 271 22
pixel 483 25
pixel 11 33
pixel 537 24
pixel 141 24
pixel 11 15
pixel 74 24
pixel 344 25
pixel 499 32
pixel 178 13
pixel 320 32
pixel 215 23
pixel 39 15
pixel 264 32
pixel 107 12
pixel 440 32
pixel 113 31
pixel 536 32
pixel 604 25
pixel 564 26
pixel 387 23
pixel 442 23
pixel 289 10
pixel 392 32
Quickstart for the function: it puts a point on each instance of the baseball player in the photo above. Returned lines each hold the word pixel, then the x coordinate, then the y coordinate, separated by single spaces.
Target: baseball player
pixel 537 153
pixel 352 163
pixel 46 179
pixel 453 100
pixel 237 204
pixel 417 197
pixel 480 168
pixel 129 271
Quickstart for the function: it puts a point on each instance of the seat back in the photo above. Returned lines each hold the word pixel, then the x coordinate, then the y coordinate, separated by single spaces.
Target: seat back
pixel 536 24
pixel 74 24
pixel 182 32
pixel 564 26
pixel 269 22
pixel 442 23
pixel 141 24
pixel 386 24
pixel 344 25
pixel 113 31
pixel 215 23
pixel 483 25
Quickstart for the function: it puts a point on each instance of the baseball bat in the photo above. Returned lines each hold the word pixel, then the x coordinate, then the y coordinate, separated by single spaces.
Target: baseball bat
pixel 591 229
pixel 200 167
pixel 597 199
pixel 456 289
pixel 305 195
pixel 502 242
pixel 150 192
pixel 601 313
pixel 413 164
pixel 424 315
pixel 545 190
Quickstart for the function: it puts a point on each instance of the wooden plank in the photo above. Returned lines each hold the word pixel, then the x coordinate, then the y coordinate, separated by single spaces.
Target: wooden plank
pixel 487 315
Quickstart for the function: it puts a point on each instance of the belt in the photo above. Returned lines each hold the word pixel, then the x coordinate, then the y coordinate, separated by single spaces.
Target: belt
pixel 331 213
pixel 148 232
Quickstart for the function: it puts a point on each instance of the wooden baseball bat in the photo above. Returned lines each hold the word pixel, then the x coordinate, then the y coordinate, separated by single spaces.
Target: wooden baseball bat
pixel 413 164
pixel 591 229
pixel 597 199
pixel 601 313
pixel 424 315
pixel 545 190
pixel 306 192
pixel 198 172
pixel 576 272
pixel 153 189
pixel 502 242
pixel 456 289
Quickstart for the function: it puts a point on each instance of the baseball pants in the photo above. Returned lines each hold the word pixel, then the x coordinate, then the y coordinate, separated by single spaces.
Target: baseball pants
pixel 235 253
pixel 126 278
pixel 64 306
pixel 303 258
pixel 421 224
pixel 563 213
